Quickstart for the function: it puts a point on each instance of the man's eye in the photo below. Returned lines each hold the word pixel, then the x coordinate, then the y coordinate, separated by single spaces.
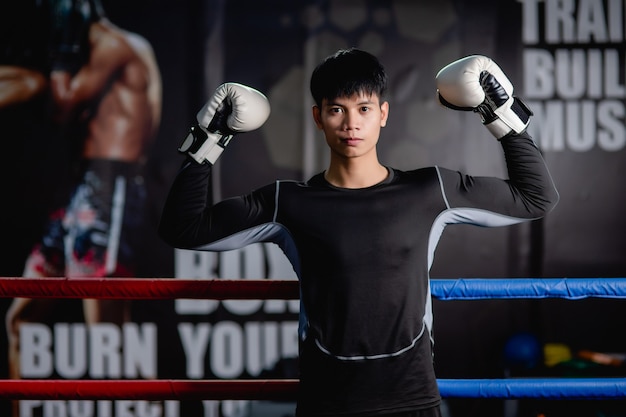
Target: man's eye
pixel 335 110
pixel 365 109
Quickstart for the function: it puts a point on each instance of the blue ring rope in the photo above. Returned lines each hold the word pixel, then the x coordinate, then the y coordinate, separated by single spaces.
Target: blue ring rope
pixel 512 288
pixel 546 388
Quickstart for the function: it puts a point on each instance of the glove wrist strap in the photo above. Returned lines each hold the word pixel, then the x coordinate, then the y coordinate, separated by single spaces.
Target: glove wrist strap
pixel 512 118
pixel 202 145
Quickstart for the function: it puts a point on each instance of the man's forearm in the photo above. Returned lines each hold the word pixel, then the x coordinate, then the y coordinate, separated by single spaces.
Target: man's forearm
pixel 529 174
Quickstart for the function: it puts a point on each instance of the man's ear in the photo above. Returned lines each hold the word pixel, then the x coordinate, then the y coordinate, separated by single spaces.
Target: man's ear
pixel 317 116
pixel 384 113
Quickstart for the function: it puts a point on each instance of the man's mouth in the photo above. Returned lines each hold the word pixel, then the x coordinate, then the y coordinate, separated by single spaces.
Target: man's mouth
pixel 351 141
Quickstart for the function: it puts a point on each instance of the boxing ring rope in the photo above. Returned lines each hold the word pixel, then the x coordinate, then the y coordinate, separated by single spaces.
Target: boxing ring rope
pixel 286 389
pixel 224 289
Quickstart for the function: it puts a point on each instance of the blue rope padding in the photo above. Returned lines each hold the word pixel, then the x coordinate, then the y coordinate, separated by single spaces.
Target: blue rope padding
pixel 568 288
pixel 546 388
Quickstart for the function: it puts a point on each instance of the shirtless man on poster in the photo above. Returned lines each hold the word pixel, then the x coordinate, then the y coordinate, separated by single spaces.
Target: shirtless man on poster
pixel 110 107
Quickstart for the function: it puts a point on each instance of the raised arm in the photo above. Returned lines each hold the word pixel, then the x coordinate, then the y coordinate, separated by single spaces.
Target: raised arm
pixel 475 83
pixel 189 214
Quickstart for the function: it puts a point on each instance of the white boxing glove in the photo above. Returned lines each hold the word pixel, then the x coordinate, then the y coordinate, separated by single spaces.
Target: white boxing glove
pixel 476 83
pixel 234 108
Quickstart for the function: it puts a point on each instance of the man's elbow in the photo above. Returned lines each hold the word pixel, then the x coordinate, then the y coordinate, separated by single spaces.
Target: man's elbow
pixel 548 201
pixel 171 236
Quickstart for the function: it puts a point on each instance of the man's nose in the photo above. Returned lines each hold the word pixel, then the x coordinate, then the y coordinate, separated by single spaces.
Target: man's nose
pixel 351 121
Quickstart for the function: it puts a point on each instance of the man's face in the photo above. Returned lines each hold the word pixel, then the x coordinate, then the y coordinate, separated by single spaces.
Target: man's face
pixel 352 124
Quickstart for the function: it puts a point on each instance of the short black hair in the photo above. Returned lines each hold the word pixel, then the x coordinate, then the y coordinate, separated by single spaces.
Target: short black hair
pixel 348 72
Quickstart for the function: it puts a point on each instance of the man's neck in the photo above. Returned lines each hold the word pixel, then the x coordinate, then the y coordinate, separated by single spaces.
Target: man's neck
pixel 355 175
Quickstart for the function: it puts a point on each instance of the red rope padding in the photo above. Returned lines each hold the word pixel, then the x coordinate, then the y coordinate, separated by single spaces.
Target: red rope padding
pixel 279 389
pixel 149 288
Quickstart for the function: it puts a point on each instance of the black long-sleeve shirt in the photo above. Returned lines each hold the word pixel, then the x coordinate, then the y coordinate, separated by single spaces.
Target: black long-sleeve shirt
pixel 362 257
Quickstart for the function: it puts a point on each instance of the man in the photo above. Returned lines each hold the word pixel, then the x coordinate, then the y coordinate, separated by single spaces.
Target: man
pixel 361 236
pixel 105 91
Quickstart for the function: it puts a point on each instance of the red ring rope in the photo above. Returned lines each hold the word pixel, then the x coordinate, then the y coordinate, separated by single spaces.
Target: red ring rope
pixel 148 389
pixel 149 288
